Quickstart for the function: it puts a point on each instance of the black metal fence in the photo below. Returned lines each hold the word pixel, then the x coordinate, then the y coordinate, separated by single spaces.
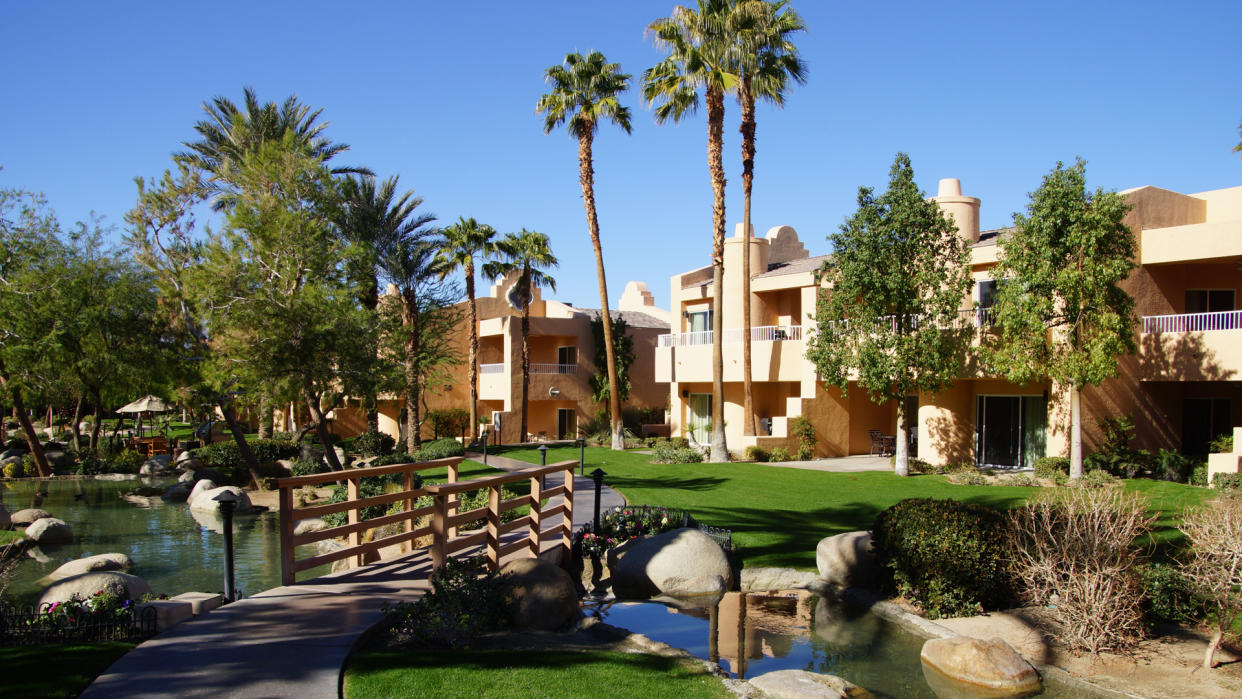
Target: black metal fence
pixel 29 625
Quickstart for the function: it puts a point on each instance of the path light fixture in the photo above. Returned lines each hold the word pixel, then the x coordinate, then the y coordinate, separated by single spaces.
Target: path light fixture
pixel 581 455
pixel 485 437
pixel 598 474
pixel 543 455
pixel 228 503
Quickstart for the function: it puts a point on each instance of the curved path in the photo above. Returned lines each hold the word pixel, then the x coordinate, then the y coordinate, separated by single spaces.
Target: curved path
pixel 290 641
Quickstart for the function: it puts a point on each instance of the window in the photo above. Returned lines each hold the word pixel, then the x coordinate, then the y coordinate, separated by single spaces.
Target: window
pixel 566 359
pixel 1209 300
pixel 987 300
pixel 699 321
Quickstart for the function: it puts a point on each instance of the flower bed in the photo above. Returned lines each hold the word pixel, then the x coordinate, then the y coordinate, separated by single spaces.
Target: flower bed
pixel 621 524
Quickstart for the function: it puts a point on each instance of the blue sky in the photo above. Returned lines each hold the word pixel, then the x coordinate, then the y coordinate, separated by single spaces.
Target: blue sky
pixel 443 94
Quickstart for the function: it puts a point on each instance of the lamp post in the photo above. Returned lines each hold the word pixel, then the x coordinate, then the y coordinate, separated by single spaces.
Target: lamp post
pixel 598 474
pixel 485 436
pixel 581 456
pixel 543 455
pixel 228 502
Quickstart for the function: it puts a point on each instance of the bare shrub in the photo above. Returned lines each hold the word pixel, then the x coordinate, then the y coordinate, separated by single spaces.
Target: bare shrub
pixel 1215 564
pixel 1074 549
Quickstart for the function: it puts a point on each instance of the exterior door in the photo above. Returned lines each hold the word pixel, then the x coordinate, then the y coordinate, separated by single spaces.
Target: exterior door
pixel 700 417
pixel 1010 431
pixel 1204 419
pixel 566 359
pixel 566 423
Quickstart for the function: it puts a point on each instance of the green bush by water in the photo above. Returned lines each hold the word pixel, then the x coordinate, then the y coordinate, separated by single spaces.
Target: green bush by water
pixel 440 449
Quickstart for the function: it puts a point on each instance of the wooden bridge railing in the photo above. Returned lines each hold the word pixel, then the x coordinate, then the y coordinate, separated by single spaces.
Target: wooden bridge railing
pixel 445 520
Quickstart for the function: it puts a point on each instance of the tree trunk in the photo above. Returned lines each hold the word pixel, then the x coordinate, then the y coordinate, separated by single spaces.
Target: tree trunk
pixel 77 419
pixel 32 438
pixel 474 346
pixel 265 416
pixel 525 364
pixel 321 427
pixel 1209 655
pixel 98 426
pixel 747 98
pixel 715 163
pixel 1075 431
pixel 901 450
pixel 586 177
pixel 409 319
pixel 239 437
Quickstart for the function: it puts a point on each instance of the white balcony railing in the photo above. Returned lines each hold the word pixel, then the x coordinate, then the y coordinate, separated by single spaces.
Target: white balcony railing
pixel 492 368
pixel 1193 322
pixel 763 333
pixel 553 368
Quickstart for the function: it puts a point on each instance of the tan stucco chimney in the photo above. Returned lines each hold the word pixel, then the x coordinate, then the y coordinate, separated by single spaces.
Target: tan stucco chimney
pixel 964 211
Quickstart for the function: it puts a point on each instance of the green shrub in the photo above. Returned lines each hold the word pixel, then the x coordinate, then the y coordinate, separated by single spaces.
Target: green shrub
pixel 226 455
pixel 309 467
pixel 29 466
pixel 669 454
pixel 1048 466
pixel 397 457
pixel 1020 480
pixel 91 466
pixel 373 443
pixel 779 454
pixel 370 486
pixel 1172 466
pixel 756 453
pixel 465 602
pixel 803 430
pixel 1097 478
pixel 126 461
pixel 476 499
pixel 440 449
pixel 14 469
pixel 448 423
pixel 1198 476
pixel 1168 598
pixel 1223 444
pixel 946 555
pixel 1114 454
pixel 970 476
pixel 679 442
pixel 1227 480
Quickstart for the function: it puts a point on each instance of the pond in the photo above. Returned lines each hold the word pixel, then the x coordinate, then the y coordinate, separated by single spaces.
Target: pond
pixel 753 633
pixel 173 549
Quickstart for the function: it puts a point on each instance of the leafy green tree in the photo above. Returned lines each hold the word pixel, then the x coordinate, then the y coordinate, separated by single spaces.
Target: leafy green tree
pixel 768 61
pixel 1061 313
pixel 528 253
pixel 703 54
pixel 419 325
pixel 899 273
pixel 621 357
pixel 585 90
pixel 464 241
pixel 373 219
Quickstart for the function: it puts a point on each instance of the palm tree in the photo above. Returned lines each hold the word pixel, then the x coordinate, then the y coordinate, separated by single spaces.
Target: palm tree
pixel 769 62
pixel 463 242
pixel 702 54
pixel 373 219
pixel 585 90
pixel 528 253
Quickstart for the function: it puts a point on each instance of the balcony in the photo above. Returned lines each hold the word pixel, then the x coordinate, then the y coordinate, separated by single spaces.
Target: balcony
pixel 1192 347
pixel 765 333
pixel 776 354
pixel 553 368
pixel 492 368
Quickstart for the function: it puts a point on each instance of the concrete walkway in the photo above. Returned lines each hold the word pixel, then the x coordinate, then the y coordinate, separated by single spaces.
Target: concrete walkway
pixel 844 464
pixel 290 641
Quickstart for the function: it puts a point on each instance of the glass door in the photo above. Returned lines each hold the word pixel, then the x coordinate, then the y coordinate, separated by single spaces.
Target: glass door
pixel 566 423
pixel 1010 431
pixel 700 417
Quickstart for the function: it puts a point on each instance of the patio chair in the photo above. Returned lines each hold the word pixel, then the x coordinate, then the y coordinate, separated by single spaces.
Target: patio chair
pixel 881 444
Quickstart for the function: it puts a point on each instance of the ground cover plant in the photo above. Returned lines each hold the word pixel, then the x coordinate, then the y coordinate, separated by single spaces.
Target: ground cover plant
pixel 508 673
pixel 778 514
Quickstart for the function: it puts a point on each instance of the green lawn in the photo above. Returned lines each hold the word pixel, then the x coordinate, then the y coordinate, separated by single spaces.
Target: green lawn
pixel 506 673
pixel 8 536
pixel 55 670
pixel 778 514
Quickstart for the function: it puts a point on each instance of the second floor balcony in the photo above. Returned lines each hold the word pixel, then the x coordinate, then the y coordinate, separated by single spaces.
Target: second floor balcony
pixel 1192 347
pixel 1193 322
pixel 764 333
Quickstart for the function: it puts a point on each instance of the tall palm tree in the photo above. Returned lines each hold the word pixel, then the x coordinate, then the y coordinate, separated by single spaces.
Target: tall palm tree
pixel 373 219
pixel 769 60
pixel 463 242
pixel 703 53
pixel 584 91
pixel 410 264
pixel 529 253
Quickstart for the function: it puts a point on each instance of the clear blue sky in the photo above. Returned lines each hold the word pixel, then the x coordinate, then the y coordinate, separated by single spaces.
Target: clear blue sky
pixel 443 94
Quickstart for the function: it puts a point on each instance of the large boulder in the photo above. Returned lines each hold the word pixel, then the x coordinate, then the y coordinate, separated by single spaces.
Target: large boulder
pixel 680 563
pixel 205 501
pixel 14 452
pixel 27 516
pixel 199 488
pixel 763 579
pixel 90 564
pixel 801 684
pixel 58 459
pixel 543 596
pixel 49 530
pixel 846 559
pixel 178 492
pixel 86 585
pixel 190 463
pixel 964 666
pixel 155 466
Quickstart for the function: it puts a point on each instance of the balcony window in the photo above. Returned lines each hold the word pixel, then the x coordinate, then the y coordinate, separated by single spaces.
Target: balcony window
pixel 699 321
pixel 1210 300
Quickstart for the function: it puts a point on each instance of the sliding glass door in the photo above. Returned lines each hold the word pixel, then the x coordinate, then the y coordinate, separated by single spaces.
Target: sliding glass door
pixel 1010 431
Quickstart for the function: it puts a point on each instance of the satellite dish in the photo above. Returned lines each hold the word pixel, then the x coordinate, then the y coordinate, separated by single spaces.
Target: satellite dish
pixel 519 295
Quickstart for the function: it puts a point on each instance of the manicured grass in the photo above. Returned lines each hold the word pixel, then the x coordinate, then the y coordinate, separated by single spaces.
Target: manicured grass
pixel 9 536
pixel 506 673
pixel 55 670
pixel 778 514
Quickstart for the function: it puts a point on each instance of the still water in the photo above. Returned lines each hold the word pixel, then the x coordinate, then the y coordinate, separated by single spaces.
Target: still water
pixel 752 633
pixel 173 549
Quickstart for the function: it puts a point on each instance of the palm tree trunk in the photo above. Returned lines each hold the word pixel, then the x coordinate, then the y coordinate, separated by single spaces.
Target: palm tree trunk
pixel 409 319
pixel 748 180
pixel 32 438
pixel 586 176
pixel 265 416
pixel 474 346
pixel 525 359
pixel 715 164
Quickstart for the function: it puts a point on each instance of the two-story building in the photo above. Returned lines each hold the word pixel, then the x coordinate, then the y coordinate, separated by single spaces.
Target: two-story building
pixel 562 352
pixel 1181 388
